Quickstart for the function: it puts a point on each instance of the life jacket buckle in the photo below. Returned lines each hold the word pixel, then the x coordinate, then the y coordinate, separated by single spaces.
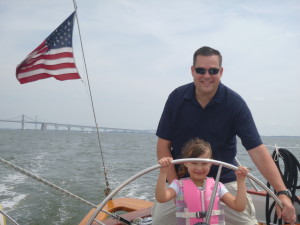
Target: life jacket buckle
pixel 200 214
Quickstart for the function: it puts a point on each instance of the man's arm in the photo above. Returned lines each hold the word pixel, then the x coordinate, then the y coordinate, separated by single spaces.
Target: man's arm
pixel 265 164
pixel 164 150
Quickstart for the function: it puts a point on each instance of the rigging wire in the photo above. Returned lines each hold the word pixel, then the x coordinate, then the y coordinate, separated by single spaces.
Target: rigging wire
pixel 107 189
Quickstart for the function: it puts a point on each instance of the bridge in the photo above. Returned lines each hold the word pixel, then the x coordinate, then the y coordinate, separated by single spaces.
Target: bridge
pixel 69 127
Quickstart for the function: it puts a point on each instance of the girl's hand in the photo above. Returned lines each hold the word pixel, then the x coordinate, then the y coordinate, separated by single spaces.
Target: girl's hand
pixel 165 164
pixel 241 173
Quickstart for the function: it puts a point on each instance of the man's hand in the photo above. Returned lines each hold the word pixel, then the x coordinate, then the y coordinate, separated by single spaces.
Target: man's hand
pixel 288 213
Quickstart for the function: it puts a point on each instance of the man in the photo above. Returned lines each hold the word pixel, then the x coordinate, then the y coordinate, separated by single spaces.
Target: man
pixel 211 111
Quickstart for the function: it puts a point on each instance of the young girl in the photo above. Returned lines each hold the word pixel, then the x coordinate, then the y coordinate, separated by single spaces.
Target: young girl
pixel 193 194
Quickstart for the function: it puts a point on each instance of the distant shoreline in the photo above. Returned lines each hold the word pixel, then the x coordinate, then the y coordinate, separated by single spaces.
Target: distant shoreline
pixel 125 130
pixel 90 131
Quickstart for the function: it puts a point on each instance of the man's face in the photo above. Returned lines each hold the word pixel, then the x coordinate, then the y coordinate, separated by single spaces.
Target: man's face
pixel 207 84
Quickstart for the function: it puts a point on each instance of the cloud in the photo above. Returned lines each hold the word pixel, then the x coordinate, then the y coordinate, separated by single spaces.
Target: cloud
pixel 137 52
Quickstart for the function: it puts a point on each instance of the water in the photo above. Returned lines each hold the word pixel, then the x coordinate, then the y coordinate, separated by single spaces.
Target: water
pixel 72 160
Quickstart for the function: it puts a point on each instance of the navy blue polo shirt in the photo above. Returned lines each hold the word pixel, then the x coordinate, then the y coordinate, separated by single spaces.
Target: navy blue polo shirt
pixel 224 117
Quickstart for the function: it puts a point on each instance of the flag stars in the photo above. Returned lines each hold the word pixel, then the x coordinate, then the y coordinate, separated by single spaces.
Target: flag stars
pixel 62 36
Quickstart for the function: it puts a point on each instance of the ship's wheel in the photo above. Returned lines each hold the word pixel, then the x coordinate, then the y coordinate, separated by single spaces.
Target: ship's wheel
pixel 178 161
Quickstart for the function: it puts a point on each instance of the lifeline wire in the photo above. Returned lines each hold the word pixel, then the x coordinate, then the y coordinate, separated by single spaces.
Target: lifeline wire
pixel 8 218
pixel 27 173
pixel 107 190
pixel 23 171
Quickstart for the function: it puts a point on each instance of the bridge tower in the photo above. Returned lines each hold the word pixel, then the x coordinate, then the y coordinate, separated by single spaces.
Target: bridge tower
pixel 23 122
pixel 44 126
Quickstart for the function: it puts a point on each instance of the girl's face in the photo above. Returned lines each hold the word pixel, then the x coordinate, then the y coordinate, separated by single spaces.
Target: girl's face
pixel 199 170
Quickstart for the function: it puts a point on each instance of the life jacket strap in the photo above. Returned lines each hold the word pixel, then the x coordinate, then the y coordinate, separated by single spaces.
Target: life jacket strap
pixel 188 215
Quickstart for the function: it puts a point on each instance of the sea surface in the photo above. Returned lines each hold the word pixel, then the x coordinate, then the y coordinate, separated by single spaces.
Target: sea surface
pixel 72 160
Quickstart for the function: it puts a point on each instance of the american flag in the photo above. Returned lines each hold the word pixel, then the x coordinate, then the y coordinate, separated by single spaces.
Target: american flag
pixel 52 58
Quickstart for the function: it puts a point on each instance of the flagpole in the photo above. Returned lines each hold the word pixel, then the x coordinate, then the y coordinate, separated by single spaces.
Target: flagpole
pixel 107 190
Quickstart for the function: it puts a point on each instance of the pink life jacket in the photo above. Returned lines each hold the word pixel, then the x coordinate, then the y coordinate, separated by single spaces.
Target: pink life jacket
pixel 192 208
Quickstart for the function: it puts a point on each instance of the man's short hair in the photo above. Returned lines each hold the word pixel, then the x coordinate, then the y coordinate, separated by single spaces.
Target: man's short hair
pixel 207 51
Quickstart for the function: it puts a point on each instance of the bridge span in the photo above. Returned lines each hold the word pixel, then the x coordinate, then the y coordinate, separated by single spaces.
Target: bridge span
pixel 71 127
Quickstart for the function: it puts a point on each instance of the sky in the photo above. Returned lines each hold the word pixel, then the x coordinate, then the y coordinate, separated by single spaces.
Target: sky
pixel 137 52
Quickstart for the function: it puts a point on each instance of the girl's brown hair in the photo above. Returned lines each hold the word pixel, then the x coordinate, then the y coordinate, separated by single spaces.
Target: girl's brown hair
pixel 193 149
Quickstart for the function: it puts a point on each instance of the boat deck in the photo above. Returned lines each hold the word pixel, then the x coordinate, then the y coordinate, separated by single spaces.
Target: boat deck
pixel 131 207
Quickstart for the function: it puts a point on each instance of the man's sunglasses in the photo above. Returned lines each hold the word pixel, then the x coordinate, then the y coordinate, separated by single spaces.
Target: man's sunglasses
pixel 211 71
